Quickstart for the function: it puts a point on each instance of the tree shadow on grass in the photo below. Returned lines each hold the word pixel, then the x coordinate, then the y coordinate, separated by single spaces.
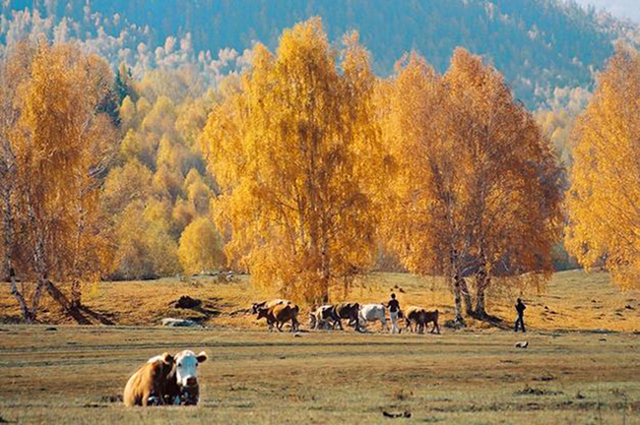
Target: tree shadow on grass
pixel 100 318
pixel 493 321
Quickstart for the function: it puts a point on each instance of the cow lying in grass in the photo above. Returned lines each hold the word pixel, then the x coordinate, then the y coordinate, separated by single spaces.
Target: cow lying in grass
pixel 279 314
pixel 420 317
pixel 165 379
pixel 149 382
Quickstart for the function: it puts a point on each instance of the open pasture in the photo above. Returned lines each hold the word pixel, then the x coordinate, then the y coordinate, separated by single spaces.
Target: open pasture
pixel 573 300
pixel 71 374
pixel 582 364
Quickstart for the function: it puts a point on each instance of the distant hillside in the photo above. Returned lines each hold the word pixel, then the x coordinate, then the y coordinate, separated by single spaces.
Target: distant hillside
pixel 538 44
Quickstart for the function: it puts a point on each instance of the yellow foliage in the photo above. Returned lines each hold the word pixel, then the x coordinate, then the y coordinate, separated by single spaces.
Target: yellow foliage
pixel 604 199
pixel 126 184
pixel 56 145
pixel 284 144
pixel 145 247
pixel 200 247
pixel 476 189
pixel 128 113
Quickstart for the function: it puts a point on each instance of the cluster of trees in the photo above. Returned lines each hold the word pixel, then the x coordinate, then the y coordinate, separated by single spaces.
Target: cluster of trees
pixel 316 164
pixel 100 177
pixel 157 193
pixel 302 169
pixel 55 146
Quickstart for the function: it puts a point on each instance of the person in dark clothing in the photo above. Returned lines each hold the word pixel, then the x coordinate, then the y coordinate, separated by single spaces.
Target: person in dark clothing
pixel 394 309
pixel 520 308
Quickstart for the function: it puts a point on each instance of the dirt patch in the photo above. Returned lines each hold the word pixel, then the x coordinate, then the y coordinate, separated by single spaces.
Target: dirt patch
pixel 186 301
pixel 535 391
pixel 111 398
pixel 545 377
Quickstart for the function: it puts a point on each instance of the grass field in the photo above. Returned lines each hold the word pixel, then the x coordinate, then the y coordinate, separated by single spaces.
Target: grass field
pixel 573 300
pixel 75 374
pixel 582 365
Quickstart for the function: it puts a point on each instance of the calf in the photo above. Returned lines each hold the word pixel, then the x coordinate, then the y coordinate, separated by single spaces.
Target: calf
pixel 279 315
pixel 372 313
pixel 150 379
pixel 346 311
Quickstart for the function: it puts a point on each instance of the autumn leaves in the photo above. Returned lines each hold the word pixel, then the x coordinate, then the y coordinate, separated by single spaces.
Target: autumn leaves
pixel 476 192
pixel 319 160
pixel 604 199
pixel 314 163
pixel 288 145
pixel 55 148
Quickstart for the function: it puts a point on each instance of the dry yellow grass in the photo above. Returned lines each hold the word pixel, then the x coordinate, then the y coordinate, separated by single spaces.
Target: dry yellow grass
pixel 573 300
pixel 74 375
pixel 569 374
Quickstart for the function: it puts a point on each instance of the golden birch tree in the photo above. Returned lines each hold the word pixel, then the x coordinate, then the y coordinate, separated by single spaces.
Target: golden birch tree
pixel 284 144
pixel 604 198
pixel 477 190
pixel 513 184
pixel 60 147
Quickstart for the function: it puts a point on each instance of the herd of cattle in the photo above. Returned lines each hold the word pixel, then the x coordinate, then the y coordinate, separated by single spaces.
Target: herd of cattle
pixel 278 312
pixel 172 379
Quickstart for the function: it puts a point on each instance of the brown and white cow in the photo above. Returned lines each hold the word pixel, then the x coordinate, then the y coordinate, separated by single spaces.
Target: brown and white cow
pixel 166 379
pixel 149 381
pixel 279 314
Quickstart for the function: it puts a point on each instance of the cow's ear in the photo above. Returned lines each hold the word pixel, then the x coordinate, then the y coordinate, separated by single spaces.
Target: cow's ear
pixel 167 358
pixel 202 357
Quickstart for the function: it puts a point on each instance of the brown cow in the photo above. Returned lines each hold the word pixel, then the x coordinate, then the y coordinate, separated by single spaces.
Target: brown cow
pixel 268 304
pixel 279 315
pixel 347 311
pixel 414 316
pixel 432 316
pixel 149 379
pixel 421 318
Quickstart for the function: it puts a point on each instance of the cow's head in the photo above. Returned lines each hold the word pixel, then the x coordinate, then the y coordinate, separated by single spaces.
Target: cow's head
pixel 186 364
pixel 257 306
pixel 262 312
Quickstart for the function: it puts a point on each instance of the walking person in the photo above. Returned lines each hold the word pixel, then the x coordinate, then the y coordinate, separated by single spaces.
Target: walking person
pixel 394 309
pixel 520 308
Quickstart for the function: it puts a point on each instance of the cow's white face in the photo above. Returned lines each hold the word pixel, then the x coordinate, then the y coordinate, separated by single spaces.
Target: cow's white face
pixel 186 367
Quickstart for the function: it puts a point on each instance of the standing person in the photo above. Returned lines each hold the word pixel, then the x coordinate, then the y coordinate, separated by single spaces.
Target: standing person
pixel 520 308
pixel 394 309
